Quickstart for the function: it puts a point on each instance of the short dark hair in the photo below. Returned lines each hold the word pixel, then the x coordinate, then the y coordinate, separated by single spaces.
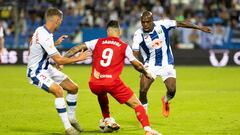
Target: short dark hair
pixel 53 12
pixel 113 24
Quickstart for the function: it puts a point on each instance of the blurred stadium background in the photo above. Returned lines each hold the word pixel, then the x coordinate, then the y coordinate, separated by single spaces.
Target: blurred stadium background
pixel 85 20
pixel 207 100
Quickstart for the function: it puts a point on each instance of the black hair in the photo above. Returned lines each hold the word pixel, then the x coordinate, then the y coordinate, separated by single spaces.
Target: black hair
pixel 113 24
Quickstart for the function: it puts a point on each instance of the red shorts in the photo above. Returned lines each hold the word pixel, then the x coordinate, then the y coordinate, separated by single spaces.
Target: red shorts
pixel 117 89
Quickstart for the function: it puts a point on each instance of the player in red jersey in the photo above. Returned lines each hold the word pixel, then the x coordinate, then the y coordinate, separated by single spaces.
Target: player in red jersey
pixel 108 61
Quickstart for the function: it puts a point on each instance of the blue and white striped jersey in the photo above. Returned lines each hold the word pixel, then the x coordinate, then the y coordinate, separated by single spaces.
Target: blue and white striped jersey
pixel 41 48
pixel 155 46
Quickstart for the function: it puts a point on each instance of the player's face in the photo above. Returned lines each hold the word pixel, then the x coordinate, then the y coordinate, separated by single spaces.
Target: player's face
pixel 147 23
pixel 58 22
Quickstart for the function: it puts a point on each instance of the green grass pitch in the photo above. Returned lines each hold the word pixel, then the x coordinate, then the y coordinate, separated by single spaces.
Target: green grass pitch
pixel 207 102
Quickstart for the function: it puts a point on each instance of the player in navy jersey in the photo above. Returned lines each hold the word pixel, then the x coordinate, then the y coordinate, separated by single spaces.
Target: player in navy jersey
pixel 108 62
pixel 151 46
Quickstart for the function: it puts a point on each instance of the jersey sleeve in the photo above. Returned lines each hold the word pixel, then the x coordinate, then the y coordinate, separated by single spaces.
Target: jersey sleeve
pixel 137 39
pixel 48 44
pixel 129 54
pixel 91 44
pixel 168 24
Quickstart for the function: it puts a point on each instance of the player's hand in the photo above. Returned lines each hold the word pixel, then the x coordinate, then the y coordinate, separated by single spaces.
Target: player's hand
pixel 84 55
pixel 60 39
pixel 206 29
pixel 148 75
pixel 59 67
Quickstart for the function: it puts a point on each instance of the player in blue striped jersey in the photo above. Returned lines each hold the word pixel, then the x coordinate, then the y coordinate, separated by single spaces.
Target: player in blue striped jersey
pixel 151 45
pixel 43 75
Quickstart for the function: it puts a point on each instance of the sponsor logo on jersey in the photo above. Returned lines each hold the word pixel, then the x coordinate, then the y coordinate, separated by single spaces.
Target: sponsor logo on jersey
pixel 98 75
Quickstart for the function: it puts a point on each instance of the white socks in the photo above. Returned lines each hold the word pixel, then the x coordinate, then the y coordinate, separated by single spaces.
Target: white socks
pixel 61 108
pixel 166 99
pixel 145 106
pixel 71 102
pixel 147 128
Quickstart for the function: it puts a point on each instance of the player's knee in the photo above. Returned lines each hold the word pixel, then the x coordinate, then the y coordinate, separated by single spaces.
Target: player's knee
pixel 73 89
pixel 134 103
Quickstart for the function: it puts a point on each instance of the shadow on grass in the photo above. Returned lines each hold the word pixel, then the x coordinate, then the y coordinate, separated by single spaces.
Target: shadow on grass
pixel 23 131
pixel 35 131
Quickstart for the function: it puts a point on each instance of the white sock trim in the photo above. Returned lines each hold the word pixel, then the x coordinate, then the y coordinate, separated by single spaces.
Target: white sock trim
pixel 147 128
pixel 61 108
pixel 71 97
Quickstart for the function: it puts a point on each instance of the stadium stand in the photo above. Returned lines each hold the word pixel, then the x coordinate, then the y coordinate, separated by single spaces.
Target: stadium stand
pixel 21 17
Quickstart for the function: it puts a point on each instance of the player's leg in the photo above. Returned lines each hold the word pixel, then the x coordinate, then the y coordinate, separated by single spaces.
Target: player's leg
pixel 72 88
pixel 60 105
pixel 104 105
pixel 107 124
pixel 110 124
pixel 99 91
pixel 141 114
pixel 145 84
pixel 170 83
pixel 71 98
pixel 124 94
pixel 44 81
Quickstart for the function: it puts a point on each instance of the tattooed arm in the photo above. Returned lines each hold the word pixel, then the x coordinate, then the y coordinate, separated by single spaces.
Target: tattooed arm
pixel 75 50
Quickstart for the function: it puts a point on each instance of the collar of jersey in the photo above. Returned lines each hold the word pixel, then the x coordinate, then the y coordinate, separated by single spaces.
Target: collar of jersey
pixel 46 29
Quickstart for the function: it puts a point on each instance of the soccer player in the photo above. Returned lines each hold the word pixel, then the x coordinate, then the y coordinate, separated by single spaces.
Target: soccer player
pixel 108 61
pixel 152 47
pixel 45 76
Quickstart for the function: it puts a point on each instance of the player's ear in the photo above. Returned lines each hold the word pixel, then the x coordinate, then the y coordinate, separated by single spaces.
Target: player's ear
pixel 120 31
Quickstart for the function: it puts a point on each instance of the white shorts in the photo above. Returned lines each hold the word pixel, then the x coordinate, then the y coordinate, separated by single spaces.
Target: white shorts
pixel 45 78
pixel 165 72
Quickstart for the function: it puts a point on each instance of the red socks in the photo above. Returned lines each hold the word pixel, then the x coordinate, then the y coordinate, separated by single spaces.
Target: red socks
pixel 142 115
pixel 103 102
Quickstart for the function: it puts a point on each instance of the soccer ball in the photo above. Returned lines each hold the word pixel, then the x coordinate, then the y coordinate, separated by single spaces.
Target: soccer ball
pixel 108 125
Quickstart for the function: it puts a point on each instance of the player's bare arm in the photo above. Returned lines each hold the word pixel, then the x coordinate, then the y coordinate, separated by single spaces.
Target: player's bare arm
pixel 187 24
pixel 60 39
pixel 59 60
pixel 139 67
pixel 75 50
pixel 138 55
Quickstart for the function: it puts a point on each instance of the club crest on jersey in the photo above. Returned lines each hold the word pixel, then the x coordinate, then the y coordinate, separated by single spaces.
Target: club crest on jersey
pixel 145 35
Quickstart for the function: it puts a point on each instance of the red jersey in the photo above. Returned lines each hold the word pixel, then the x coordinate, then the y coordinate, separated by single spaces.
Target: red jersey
pixel 108 60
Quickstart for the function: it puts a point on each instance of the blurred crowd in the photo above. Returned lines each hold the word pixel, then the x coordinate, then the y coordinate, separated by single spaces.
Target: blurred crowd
pixel 221 15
